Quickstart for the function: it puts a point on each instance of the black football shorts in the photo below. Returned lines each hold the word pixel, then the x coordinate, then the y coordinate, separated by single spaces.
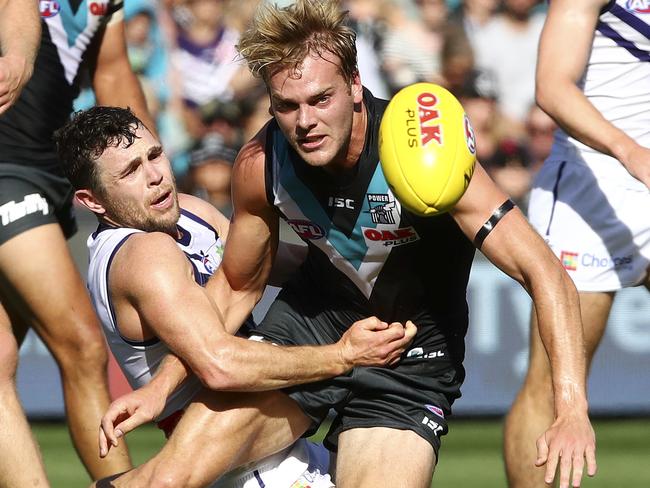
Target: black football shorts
pixel 415 395
pixel 30 197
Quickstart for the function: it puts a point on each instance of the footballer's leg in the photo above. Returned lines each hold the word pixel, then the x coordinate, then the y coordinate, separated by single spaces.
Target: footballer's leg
pixel 532 411
pixel 45 291
pixel 219 432
pixel 380 456
pixel 20 461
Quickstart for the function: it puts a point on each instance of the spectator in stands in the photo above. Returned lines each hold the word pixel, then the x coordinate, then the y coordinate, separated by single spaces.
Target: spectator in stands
pixel 412 46
pixel 501 154
pixel 367 18
pixel 457 60
pixel 507 46
pixel 540 128
pixel 473 16
pixel 204 61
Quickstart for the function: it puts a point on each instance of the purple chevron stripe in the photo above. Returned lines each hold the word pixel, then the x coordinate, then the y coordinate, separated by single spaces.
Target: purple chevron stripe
pixel 607 31
pixel 632 20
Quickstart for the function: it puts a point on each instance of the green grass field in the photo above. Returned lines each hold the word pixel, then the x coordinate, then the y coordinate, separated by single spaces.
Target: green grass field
pixel 471 454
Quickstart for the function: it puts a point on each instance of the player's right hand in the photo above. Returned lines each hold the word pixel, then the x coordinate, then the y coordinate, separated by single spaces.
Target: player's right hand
pixel 128 412
pixel 14 74
pixel 371 342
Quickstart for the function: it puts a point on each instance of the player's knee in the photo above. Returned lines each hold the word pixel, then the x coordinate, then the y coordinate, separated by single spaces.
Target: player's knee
pixel 86 354
pixel 537 389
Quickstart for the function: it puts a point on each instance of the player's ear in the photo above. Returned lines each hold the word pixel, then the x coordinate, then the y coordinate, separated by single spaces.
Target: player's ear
pixel 87 198
pixel 357 88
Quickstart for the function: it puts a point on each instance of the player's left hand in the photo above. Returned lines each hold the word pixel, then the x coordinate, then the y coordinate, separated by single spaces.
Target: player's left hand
pixel 637 162
pixel 128 412
pixel 14 73
pixel 567 444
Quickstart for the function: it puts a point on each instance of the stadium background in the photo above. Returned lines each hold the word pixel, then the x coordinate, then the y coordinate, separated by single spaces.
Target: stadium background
pixel 511 144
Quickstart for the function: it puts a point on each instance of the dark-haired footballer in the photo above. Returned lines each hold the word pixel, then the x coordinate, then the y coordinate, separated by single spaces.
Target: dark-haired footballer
pixel 40 286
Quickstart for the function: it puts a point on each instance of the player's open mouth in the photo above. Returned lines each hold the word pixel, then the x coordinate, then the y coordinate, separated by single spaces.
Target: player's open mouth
pixel 311 143
pixel 163 201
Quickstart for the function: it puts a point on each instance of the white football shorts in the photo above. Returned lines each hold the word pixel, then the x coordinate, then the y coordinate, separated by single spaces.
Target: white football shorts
pixel 302 465
pixel 598 225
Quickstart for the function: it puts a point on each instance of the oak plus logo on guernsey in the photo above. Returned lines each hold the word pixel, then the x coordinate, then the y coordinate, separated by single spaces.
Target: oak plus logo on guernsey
pixel 390 237
pixel 49 8
pixel 569 260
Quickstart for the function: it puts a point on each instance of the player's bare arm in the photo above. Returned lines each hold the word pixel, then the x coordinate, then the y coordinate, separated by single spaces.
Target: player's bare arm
pixel 252 241
pixel 564 49
pixel 114 82
pixel 20 35
pixel 146 287
pixel 519 251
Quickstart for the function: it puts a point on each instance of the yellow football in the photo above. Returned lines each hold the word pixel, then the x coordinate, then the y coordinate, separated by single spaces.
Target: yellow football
pixel 427 148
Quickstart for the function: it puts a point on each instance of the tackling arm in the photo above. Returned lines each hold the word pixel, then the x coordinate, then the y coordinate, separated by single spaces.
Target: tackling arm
pixel 564 50
pixel 515 247
pixel 20 35
pixel 152 277
pixel 252 240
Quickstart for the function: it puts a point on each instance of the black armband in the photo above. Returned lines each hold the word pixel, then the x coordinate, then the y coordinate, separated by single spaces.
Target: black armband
pixel 492 222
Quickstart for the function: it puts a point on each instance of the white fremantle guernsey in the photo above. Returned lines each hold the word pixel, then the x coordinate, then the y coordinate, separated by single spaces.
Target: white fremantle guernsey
pixel 140 360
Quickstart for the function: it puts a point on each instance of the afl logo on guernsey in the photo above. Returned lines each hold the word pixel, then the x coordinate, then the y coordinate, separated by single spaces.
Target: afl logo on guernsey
pixel 469 136
pixel 306 230
pixel 639 6
pixel 49 8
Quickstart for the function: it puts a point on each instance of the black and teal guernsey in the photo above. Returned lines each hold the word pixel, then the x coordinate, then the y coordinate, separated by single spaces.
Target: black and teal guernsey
pixel 367 254
pixel 69 28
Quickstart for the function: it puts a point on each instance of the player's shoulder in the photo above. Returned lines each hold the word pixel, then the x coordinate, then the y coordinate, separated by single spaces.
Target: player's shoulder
pixel 205 211
pixel 148 263
pixel 249 172
pixel 144 253
pixel 253 153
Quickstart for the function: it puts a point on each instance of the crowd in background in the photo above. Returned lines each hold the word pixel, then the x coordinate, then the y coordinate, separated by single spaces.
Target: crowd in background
pixel 207 104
